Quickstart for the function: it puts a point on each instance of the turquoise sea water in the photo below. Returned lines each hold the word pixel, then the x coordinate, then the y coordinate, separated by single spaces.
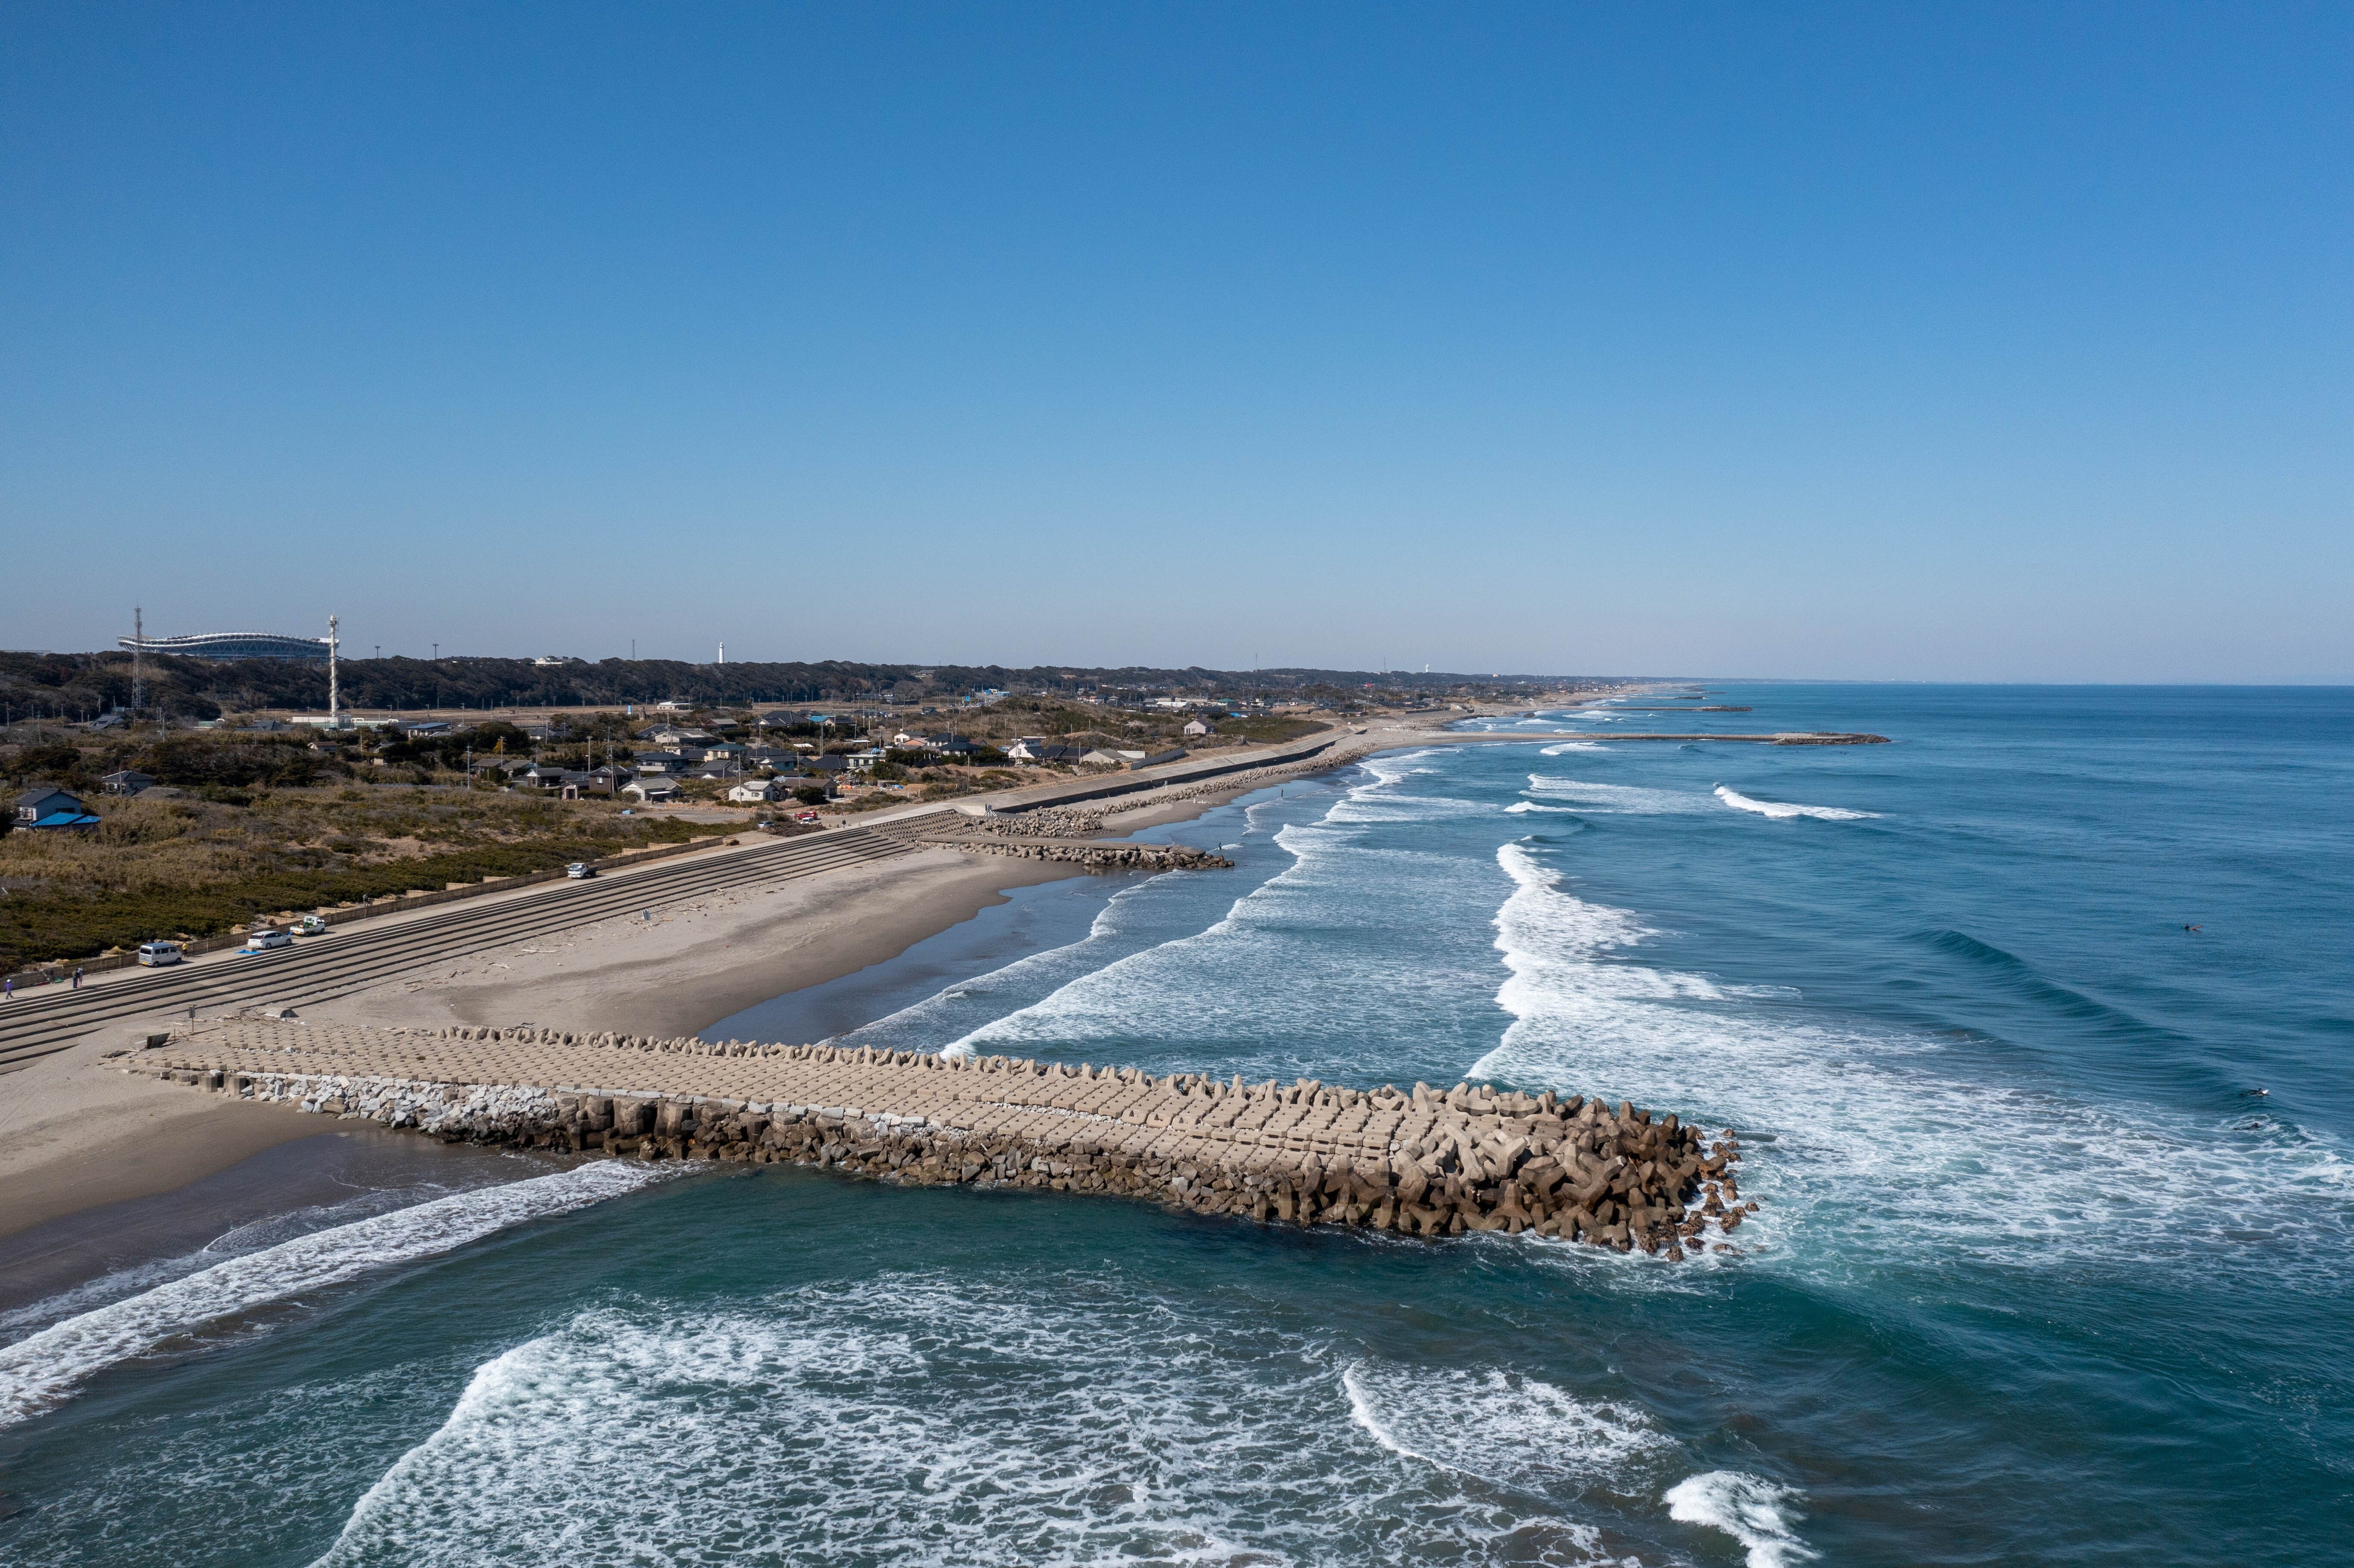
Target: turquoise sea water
pixel 2040 1276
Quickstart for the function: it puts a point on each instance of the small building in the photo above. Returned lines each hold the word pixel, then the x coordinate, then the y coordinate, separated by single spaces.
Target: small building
pixel 672 706
pixel 864 760
pixel 652 791
pixel 757 792
pixel 1195 729
pixel 949 744
pixel 831 762
pixel 47 808
pixel 665 761
pixel 130 781
pixel 1099 758
pixel 1174 754
pixel 1026 748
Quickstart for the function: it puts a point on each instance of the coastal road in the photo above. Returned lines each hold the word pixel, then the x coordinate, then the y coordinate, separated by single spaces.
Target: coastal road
pixel 355 958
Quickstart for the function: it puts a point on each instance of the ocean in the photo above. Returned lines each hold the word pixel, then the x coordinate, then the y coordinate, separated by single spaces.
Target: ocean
pixel 2034 1023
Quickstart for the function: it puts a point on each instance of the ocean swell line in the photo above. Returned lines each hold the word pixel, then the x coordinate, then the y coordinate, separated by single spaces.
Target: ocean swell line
pixel 42 1370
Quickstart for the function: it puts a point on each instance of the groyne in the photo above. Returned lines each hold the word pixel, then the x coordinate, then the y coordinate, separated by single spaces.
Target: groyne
pixel 1420 1161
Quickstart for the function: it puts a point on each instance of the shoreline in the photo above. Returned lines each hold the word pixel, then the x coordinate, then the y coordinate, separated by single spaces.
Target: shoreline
pixel 78 1137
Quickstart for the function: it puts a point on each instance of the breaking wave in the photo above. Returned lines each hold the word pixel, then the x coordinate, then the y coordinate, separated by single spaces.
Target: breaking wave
pixel 42 1369
pixel 1785 809
pixel 1755 1513
pixel 936 1419
pixel 1626 798
pixel 1954 1168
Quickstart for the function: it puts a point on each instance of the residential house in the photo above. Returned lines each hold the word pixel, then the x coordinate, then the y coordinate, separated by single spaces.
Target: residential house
pixel 665 761
pixel 670 735
pixel 861 761
pixel 130 781
pixel 949 744
pixel 1101 757
pixel 544 775
pixel 753 791
pixel 48 808
pixel 1195 729
pixel 652 791
pixel 775 758
pixel 1026 748
pixel 833 763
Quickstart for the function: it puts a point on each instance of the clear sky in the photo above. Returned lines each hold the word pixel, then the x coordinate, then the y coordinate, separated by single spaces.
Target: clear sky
pixel 1884 341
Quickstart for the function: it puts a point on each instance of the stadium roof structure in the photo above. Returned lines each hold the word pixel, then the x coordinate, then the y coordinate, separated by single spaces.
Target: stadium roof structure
pixel 231 645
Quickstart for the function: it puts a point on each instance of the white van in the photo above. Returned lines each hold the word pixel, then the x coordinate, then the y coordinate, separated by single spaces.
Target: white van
pixel 151 954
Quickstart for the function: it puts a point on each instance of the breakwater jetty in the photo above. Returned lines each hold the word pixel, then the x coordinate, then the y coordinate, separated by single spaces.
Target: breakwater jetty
pixel 1421 1162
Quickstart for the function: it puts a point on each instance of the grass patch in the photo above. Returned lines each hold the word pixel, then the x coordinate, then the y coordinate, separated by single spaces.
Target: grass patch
pixel 193 866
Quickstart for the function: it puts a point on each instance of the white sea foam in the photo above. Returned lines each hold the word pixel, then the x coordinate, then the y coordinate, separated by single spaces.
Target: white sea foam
pixel 1787 809
pixel 1566 747
pixel 1266 987
pixel 972 1422
pixel 1522 807
pixel 44 1368
pixel 1512 1430
pixel 1756 1513
pixel 1625 799
pixel 1952 1169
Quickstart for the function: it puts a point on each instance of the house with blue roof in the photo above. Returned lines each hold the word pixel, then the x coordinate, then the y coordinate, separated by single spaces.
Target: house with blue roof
pixel 49 808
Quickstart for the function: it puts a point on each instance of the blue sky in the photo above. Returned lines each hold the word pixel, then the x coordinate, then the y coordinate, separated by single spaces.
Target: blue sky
pixel 1910 343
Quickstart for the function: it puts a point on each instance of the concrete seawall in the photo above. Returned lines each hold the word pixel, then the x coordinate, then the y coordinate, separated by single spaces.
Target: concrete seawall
pixel 1421 1162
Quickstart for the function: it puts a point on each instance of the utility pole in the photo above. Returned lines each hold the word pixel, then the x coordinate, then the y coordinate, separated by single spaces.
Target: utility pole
pixel 138 660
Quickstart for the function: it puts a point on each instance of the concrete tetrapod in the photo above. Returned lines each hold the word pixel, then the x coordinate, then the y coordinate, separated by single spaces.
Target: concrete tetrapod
pixel 1423 1161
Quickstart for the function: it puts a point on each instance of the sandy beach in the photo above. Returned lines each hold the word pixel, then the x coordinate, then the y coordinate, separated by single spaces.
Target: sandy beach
pixel 77 1134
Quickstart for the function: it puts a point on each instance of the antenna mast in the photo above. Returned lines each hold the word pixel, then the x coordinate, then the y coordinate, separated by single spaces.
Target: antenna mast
pixel 334 694
pixel 138 660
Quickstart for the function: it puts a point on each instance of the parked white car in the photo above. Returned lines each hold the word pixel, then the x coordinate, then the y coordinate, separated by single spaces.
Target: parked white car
pixel 578 870
pixel 263 941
